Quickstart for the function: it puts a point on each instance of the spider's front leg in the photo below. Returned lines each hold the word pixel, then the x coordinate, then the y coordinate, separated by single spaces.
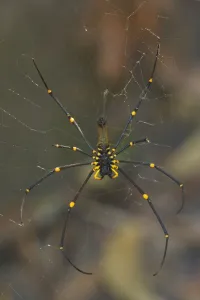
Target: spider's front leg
pixel 142 97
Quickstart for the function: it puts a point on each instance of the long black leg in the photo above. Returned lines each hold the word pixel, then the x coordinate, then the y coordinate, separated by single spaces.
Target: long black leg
pixel 55 170
pixel 142 97
pixel 70 206
pixel 146 197
pixel 70 118
pixel 153 166
pixel 74 148
pixel 133 143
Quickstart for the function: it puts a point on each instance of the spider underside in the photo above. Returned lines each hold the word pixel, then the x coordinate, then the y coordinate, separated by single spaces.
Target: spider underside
pixel 105 163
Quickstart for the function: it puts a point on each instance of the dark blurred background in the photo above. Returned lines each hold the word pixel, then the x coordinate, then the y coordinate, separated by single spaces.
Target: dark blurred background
pixel 97 56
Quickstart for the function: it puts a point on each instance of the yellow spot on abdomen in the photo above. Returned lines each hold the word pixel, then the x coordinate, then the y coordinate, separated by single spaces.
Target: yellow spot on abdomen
pixel 96 168
pixel 96 175
pixel 114 167
pixel 57 169
pixel 115 174
pixel 145 196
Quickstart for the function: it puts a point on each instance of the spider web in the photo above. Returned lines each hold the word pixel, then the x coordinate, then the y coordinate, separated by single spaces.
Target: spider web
pixel 97 58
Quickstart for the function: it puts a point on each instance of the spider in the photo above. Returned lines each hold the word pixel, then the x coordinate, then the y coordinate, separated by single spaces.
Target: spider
pixel 104 162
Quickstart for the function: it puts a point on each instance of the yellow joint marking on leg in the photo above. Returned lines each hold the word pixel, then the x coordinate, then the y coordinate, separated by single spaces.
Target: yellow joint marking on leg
pixel 181 185
pixel 71 120
pixel 49 91
pixel 113 149
pixel 116 173
pixel 166 235
pixel 152 165
pixel 133 113
pixel 74 148
pixel 151 80
pixel 61 248
pixel 96 175
pixel 57 146
pixel 71 204
pixel 27 190
pixel 147 140
pixel 94 163
pixel 145 196
pixel 57 169
pixel 131 144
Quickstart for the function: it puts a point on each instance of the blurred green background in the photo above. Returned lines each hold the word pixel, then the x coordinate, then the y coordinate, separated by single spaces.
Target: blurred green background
pixel 97 56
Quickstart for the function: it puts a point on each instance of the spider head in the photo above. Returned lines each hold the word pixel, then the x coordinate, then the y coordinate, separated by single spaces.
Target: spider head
pixel 101 122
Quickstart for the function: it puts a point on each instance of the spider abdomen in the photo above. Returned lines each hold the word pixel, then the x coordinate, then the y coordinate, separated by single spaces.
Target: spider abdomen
pixel 105 164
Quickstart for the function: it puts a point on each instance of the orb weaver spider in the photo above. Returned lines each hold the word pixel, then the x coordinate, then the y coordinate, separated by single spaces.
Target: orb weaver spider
pixel 104 162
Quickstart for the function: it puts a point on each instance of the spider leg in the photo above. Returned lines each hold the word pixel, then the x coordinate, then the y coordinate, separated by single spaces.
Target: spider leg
pixel 133 143
pixel 70 118
pixel 70 206
pixel 146 197
pixel 55 170
pixel 74 148
pixel 153 166
pixel 141 98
